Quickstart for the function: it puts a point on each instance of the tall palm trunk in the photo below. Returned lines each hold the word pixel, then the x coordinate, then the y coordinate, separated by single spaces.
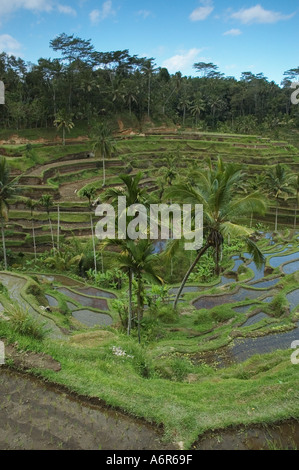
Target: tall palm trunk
pixel 104 170
pixel 130 302
pixel 199 255
pixel 139 307
pixel 295 217
pixel 51 231
pixel 58 226
pixel 3 245
pixel 276 216
pixel 33 236
pixel 93 246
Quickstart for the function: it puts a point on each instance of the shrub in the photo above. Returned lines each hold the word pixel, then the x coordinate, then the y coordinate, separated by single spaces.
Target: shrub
pixel 23 323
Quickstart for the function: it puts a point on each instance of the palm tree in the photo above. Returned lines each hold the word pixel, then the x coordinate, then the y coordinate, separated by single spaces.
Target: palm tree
pixel 46 201
pixel 278 182
pixel 133 192
pixel 197 107
pixel 102 141
pixel 137 259
pixel 296 189
pixel 64 121
pixel 31 204
pixel 183 105
pixel 7 190
pixel 216 190
pixel 90 193
pixel 148 68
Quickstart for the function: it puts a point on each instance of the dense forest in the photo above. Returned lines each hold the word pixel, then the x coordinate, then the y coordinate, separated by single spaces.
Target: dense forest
pixel 83 84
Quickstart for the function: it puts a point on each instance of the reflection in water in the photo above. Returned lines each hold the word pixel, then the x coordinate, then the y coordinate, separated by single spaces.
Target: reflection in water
pixel 89 318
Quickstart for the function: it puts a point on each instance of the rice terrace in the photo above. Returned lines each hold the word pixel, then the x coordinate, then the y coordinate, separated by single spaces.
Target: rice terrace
pixel 126 343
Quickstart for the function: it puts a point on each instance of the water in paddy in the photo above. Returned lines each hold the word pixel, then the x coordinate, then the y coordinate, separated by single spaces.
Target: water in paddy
pixel 242 294
pixel 244 308
pixel 35 416
pixel 52 301
pixel 89 318
pixel 245 348
pixel 94 292
pixel 15 285
pixel 266 284
pixel 71 306
pixel 255 319
pixel 238 263
pixel 267 300
pixel 291 268
pixel 278 260
pixel 93 302
pixel 293 299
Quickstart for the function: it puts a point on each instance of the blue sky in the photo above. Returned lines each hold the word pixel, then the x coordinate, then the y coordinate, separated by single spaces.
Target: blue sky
pixel 250 35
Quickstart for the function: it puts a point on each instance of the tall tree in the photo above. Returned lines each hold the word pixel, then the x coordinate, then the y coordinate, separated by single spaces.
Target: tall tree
pixel 64 121
pixel 46 201
pixel 8 188
pixel 102 141
pixel 278 182
pixel 31 205
pixel 216 190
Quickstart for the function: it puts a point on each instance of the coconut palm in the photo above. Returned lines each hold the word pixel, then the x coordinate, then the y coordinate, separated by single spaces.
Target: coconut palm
pixel 31 205
pixel 137 258
pixel 64 121
pixel 89 193
pixel 102 141
pixel 216 190
pixel 197 107
pixel 8 188
pixel 278 181
pixel 46 201
pixel 295 184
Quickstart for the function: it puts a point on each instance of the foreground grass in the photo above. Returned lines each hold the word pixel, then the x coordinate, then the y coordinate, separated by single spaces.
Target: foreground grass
pixel 263 389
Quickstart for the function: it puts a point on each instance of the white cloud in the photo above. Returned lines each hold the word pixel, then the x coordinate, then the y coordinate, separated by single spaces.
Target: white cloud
pixel 100 15
pixel 258 14
pixel 67 10
pixel 202 13
pixel 233 32
pixel 9 44
pixel 182 61
pixel 144 13
pixel 10 6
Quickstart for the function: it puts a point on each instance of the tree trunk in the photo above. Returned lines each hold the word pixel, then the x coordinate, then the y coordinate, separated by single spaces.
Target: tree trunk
pixel 139 306
pixel 63 136
pixel 51 230
pixel 130 303
pixel 295 217
pixel 104 171
pixel 93 246
pixel 199 255
pixel 33 236
pixel 58 226
pixel 276 217
pixel 3 245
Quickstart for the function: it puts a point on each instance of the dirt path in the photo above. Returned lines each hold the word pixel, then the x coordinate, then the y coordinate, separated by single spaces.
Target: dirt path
pixel 38 417
pixel 15 284
pixel 37 171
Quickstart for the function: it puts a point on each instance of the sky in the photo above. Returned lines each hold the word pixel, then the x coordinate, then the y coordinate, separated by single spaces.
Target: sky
pixel 236 35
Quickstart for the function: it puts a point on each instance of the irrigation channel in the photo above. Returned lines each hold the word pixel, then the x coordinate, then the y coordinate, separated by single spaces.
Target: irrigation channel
pixel 37 416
